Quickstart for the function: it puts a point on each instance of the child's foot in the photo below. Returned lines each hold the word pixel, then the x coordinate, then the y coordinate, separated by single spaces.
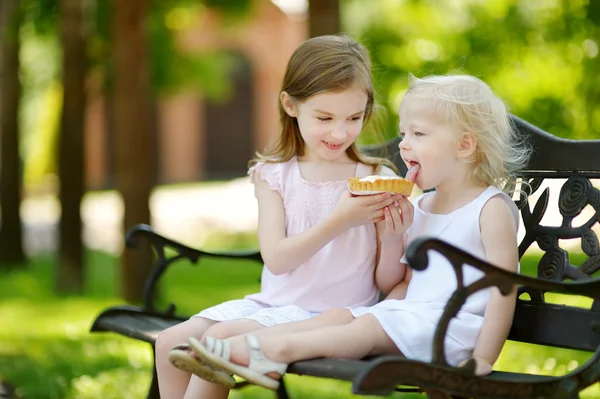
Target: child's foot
pixel 184 359
pixel 217 353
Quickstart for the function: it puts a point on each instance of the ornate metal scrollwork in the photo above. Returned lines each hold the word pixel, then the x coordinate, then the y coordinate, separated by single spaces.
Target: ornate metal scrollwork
pixel 553 263
pixel 575 194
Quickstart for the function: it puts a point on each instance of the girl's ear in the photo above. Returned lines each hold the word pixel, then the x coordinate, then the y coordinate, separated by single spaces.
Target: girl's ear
pixel 467 144
pixel 288 104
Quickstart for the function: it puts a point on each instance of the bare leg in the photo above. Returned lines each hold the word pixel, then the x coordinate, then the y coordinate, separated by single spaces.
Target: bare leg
pixel 330 317
pixel 172 382
pixel 199 388
pixel 362 337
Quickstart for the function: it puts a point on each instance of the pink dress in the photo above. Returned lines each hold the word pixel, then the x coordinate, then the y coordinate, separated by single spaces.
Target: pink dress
pixel 341 274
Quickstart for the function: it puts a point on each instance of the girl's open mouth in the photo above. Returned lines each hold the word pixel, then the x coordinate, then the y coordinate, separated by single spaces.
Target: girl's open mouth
pixel 413 171
pixel 332 146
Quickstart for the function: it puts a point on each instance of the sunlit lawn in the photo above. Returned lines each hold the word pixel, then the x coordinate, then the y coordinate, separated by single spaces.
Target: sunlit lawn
pixel 46 349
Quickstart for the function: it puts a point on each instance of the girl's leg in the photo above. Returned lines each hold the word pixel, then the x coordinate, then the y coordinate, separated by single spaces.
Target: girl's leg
pixel 330 317
pixel 173 382
pixel 199 388
pixel 361 337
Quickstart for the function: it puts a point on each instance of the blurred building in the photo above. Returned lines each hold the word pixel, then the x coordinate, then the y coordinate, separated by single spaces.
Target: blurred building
pixel 194 138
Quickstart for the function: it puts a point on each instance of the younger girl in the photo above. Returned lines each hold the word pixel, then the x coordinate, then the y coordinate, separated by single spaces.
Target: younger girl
pixel 319 243
pixel 456 132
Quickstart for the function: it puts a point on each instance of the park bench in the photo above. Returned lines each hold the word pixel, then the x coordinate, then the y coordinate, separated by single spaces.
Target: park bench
pixel 536 321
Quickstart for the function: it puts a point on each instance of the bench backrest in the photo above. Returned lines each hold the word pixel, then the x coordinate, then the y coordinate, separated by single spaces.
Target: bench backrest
pixel 570 164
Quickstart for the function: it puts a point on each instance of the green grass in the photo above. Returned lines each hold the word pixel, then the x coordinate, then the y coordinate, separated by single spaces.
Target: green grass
pixel 46 349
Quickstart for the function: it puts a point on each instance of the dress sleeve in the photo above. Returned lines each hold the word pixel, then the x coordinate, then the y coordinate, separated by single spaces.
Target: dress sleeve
pixel 269 172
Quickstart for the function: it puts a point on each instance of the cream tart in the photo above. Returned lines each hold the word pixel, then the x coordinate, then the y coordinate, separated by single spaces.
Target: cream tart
pixel 392 184
pixel 377 184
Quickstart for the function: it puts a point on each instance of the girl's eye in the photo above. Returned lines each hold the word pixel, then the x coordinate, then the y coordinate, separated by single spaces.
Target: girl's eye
pixel 401 135
pixel 356 118
pixel 323 118
pixel 419 134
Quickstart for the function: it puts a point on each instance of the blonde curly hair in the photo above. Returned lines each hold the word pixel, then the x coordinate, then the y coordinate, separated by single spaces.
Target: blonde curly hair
pixel 469 104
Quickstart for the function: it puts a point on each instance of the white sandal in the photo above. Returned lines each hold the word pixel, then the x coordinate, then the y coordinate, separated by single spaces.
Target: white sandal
pixel 183 358
pixel 217 352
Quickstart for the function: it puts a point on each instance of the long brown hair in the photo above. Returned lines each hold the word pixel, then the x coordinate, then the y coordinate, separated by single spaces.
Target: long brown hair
pixel 331 63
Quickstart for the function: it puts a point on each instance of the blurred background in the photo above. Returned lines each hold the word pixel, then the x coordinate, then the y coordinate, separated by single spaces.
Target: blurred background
pixel 114 113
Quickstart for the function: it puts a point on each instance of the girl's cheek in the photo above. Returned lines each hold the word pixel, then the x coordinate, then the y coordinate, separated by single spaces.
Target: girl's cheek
pixel 355 131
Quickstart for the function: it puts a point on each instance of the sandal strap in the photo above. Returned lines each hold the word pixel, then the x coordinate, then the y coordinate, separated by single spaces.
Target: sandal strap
pixel 258 360
pixel 209 343
pixel 218 347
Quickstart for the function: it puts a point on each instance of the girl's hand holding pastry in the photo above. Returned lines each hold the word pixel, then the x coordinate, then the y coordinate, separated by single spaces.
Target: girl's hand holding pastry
pixel 396 220
pixel 352 211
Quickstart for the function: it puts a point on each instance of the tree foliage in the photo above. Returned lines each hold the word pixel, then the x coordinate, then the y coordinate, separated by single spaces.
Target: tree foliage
pixel 170 68
pixel 541 57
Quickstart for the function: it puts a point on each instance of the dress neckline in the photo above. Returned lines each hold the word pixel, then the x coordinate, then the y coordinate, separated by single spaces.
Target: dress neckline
pixel 322 183
pixel 418 204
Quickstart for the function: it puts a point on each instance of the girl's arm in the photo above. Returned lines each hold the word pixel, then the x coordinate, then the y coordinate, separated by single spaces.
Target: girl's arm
pixel 389 271
pixel 399 291
pixel 390 245
pixel 390 248
pixel 283 254
pixel 499 235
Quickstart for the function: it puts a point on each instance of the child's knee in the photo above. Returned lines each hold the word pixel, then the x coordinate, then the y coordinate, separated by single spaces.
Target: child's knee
pixel 165 341
pixel 230 329
pixel 220 331
pixel 179 334
pixel 367 321
pixel 368 328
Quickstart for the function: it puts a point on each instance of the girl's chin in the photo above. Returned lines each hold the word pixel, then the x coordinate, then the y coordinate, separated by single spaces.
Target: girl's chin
pixel 332 155
pixel 423 186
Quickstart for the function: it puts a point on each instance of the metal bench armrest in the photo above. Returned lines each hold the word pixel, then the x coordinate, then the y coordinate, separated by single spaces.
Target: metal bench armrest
pixel 493 277
pixel 161 244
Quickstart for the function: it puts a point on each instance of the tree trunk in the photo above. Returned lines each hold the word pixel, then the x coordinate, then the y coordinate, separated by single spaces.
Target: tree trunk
pixel 11 180
pixel 134 177
pixel 323 17
pixel 70 270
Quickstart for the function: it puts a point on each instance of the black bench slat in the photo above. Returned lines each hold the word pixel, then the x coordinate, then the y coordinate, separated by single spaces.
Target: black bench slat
pixel 133 323
pixel 347 370
pixel 341 369
pixel 140 327
pixel 537 323
pixel 561 156
pixel 383 374
pixel 519 377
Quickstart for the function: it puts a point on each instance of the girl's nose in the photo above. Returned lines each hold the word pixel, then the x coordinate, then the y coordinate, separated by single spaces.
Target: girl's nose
pixel 404 145
pixel 339 133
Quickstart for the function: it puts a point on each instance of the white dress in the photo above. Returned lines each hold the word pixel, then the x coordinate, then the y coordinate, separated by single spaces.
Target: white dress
pixel 411 322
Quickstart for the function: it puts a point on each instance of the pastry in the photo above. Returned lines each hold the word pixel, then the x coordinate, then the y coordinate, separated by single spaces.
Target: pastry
pixel 377 184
